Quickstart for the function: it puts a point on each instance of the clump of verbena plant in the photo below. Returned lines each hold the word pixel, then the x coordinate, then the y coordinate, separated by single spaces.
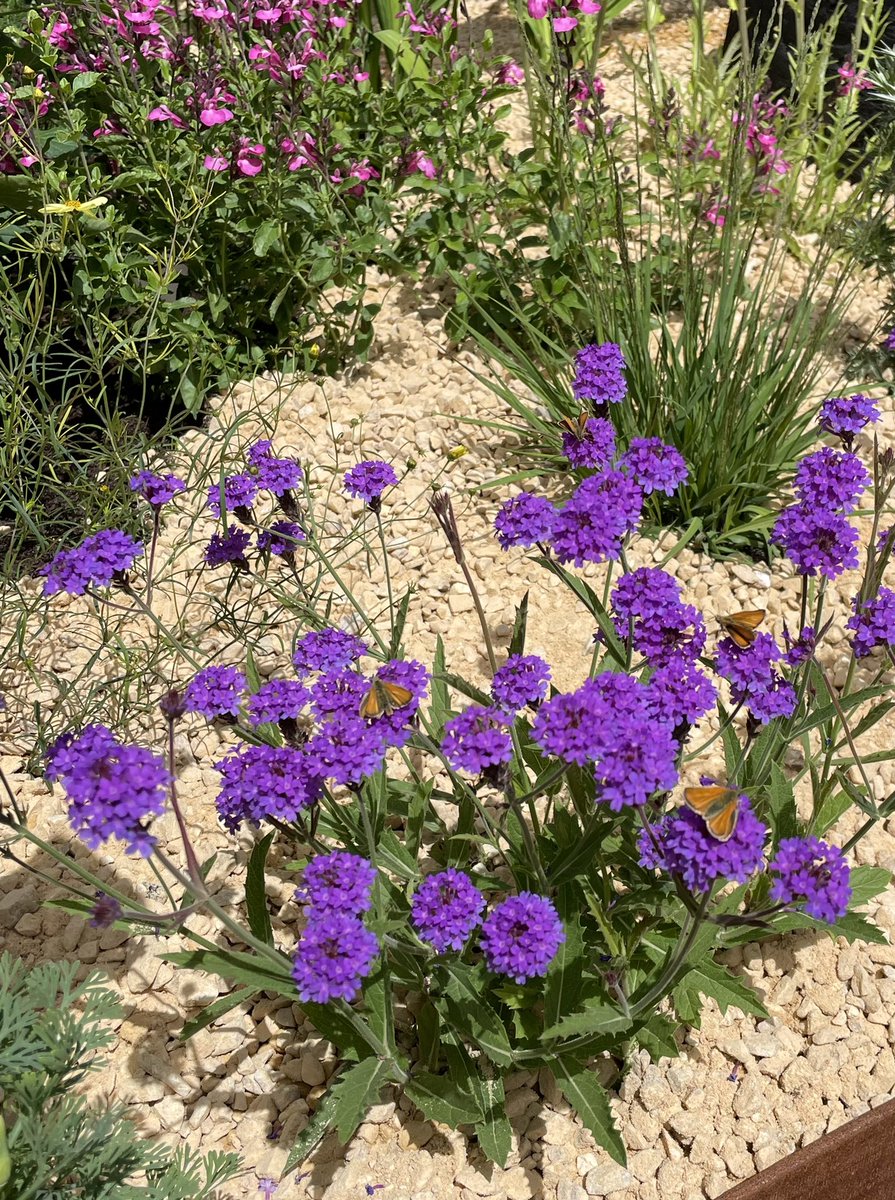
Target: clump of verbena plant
pixel 672 235
pixel 513 865
pixel 192 194
pixel 56 1142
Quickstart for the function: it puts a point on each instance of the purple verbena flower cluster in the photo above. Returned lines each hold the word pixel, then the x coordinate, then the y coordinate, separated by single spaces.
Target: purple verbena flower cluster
pixel 368 480
pixel 800 649
pixel 753 679
pixel 228 548
pixel 477 740
pixel 594 521
pixel 523 679
pixel 281 538
pixel 335 953
pixel 215 692
pixel 608 724
pixel 99 560
pixel 663 626
pixel 683 846
pixel 156 489
pixel 266 781
pixel 327 650
pixel 525 520
pixel 873 623
pixel 600 374
pixel 831 479
pixel 846 416
pixel 594 447
pixel 113 789
pixel 237 493
pixel 446 908
pixel 813 874
pixel 817 540
pixel 337 882
pixel 679 693
pixel 655 465
pixel 520 937
pixel 278 700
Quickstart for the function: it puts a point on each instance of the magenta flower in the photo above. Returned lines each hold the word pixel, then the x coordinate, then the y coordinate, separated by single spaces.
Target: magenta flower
pixel 213 107
pixel 249 158
pixel 419 163
pixel 215 162
pixel 162 113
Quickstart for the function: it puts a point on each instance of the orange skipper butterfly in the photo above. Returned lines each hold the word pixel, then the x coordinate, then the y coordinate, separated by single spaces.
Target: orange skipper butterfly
pixel 383 698
pixel 741 626
pixel 718 806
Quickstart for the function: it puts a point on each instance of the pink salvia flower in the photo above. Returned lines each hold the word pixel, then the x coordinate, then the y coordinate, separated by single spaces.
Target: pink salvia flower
pixel 215 162
pixel 510 75
pixel 249 157
pixel 420 163
pixel 852 80
pixel 162 113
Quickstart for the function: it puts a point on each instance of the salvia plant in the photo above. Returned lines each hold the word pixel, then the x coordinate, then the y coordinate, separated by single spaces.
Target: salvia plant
pixel 57 1143
pixel 508 875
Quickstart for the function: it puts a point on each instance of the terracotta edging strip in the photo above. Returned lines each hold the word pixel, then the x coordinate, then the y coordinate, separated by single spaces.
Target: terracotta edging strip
pixel 854 1162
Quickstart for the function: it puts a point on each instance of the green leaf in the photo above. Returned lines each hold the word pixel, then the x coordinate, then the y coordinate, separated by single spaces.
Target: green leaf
pixel 234 964
pixel 391 39
pixel 338 1029
pixel 394 855
pixel 265 236
pixel 782 798
pixel 256 893
pixel 356 1093
pixel 84 81
pixel 495 1133
pixel 470 1012
pixel 564 977
pixel 711 979
pixel 656 1036
pixel 585 1093
pixel 218 1008
pixel 315 1131
pixel 428 1032
pixel 441 1099
pixel 867 882
pixel 830 811
pixel 595 1017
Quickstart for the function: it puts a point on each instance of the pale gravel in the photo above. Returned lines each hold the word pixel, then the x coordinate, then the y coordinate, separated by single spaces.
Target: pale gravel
pixel 824 1056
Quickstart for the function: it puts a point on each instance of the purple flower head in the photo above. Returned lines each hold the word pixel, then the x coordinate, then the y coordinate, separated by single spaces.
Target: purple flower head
pixel 523 679
pixel 112 789
pixel 817 540
pixel 335 953
pixel 686 848
pixel 327 650
pixel 749 666
pixel 339 691
pixel 105 912
pixel 281 538
pixel 156 489
pixel 663 626
pixel 258 452
pixel 600 374
pixel 277 475
pixel 596 518
pixel 368 480
pixel 594 448
pixel 277 700
pixel 884 543
pixel 845 416
pixel 524 520
pixel 636 759
pixel 337 882
pixel 831 479
pixel 520 937
pixel 814 875
pixel 800 649
pixel 239 494
pixel 477 740
pixel 99 560
pixel 889 343
pixel 680 693
pixel 655 466
pixel 265 781
pixel 873 623
pixel 229 547
pixel 776 698
pixel 446 908
pixel 346 748
pixel 215 692
pixel 267 1187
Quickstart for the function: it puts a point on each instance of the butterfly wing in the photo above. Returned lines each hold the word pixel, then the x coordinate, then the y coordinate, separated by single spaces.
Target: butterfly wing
pixel 383 698
pixel 718 806
pixel 741 626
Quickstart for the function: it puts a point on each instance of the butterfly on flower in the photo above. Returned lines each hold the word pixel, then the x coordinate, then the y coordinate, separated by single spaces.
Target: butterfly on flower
pixel 577 426
pixel 740 627
pixel 383 698
pixel 718 806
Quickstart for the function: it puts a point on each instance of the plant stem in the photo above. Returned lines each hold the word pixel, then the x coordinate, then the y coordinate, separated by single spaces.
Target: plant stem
pixel 665 980
pixel 388 577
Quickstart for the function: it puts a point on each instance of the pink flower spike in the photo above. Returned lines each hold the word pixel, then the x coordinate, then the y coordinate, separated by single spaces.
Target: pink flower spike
pixel 163 113
pixel 215 162
pixel 538 9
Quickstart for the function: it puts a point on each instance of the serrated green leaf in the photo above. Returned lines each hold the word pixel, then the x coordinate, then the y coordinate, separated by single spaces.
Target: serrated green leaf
pixel 314 1132
pixel 585 1093
pixel 218 1008
pixel 256 892
pixel 428 1031
pixel 867 882
pixel 234 964
pixel 83 81
pixel 517 641
pixel 829 813
pixel 782 800
pixel 564 977
pixel 356 1093
pixel 711 979
pixel 657 1037
pixel 441 1099
pixel 471 1014
pixel 495 1133
pixel 596 1017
